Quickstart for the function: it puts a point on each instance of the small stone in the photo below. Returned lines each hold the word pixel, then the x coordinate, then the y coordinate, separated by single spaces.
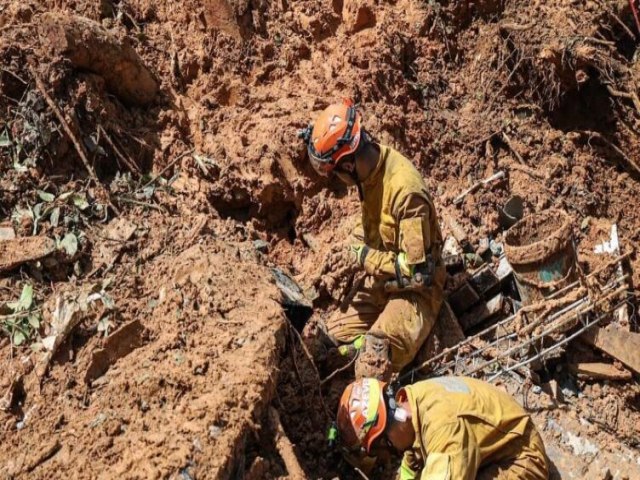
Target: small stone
pixel 536 389
pixel 215 431
pixel 261 246
pixel 585 223
pixel 483 246
pixel 496 248
pixel 7 233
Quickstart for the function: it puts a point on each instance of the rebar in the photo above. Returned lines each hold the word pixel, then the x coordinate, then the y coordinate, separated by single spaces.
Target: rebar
pixel 468 364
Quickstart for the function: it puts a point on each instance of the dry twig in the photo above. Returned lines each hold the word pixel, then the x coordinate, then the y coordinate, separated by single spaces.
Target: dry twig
pixel 341 369
pixel 507 141
pixel 629 162
pixel 164 170
pixel 65 125
pixel 127 161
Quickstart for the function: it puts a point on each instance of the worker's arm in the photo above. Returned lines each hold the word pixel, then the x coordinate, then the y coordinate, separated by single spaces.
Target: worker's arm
pixel 412 214
pixel 452 453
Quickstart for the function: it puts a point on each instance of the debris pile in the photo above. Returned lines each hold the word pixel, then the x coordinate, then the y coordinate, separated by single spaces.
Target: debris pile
pixel 160 223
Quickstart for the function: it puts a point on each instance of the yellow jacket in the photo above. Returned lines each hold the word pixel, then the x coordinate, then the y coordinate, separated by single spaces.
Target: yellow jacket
pixel 460 425
pixel 397 215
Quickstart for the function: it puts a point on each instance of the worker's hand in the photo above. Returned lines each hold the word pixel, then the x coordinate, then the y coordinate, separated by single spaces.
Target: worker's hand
pixel 338 271
pixel 406 269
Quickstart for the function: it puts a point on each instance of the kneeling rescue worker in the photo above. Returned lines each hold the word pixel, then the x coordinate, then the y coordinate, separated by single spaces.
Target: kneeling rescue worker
pixel 398 242
pixel 453 428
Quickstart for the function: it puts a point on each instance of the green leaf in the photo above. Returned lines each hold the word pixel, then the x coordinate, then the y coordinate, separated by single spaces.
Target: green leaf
pixel 64 196
pixel 26 299
pixel 37 211
pixel 69 244
pixel 46 196
pixel 18 338
pixel 55 217
pixel 80 201
pixel 34 321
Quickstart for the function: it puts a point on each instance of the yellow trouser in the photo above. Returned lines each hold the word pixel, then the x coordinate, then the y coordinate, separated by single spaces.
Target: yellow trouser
pixel 406 319
pixel 522 459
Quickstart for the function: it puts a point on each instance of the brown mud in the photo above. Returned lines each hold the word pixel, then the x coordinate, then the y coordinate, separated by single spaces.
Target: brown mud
pixel 167 147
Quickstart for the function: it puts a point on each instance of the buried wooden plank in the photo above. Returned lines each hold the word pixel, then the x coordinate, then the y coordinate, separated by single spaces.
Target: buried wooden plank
pixel 484 311
pixel 24 249
pixel 617 343
pixel 599 371
pixel 463 298
pixel 117 345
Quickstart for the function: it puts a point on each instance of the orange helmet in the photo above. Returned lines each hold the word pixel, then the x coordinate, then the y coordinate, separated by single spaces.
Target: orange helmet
pixel 362 413
pixel 336 133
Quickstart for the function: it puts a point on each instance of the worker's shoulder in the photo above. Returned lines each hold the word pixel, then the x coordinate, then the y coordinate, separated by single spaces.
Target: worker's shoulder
pixel 395 160
pixel 400 173
pixel 433 394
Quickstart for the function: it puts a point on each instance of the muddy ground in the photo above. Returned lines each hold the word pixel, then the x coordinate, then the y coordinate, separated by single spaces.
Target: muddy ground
pixel 154 143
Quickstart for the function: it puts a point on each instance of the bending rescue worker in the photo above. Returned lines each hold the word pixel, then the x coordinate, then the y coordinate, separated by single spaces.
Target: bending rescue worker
pixel 449 428
pixel 398 242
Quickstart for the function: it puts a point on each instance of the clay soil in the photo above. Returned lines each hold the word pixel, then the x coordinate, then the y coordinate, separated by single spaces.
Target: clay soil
pixel 162 136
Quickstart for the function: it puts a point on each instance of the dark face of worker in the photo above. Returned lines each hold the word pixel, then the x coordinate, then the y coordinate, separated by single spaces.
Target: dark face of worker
pixel 345 170
pixel 383 448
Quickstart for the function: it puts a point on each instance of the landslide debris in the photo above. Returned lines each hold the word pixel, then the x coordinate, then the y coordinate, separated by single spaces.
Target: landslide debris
pixel 167 142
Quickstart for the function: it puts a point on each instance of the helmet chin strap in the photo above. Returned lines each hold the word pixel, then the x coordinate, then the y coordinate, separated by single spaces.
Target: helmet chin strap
pixel 354 176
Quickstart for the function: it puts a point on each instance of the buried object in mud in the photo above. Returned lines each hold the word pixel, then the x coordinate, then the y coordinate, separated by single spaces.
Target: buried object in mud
pixel 541 251
pixel 14 253
pixel 494 308
pixel 117 345
pixel 617 343
pixel 599 371
pixel 89 46
pixel 297 306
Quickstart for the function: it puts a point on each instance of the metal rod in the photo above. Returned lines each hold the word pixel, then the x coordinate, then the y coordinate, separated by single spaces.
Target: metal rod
pixel 495 326
pixel 557 345
pixel 547 331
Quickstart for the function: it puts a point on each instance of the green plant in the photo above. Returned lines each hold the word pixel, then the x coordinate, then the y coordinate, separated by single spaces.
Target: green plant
pixel 23 320
pixel 52 208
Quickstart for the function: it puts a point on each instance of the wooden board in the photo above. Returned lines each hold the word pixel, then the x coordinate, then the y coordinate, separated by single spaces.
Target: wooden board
pixel 599 371
pixel 617 343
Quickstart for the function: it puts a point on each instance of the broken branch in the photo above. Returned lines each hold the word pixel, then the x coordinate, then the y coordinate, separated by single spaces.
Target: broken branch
pixel 164 170
pixel 598 136
pixel 127 161
pixel 65 125
pixel 285 447
pixel 507 141
pixel 476 186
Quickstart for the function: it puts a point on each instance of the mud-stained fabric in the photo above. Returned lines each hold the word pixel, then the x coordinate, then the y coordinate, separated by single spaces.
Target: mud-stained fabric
pixel 406 319
pixel 467 429
pixel 395 191
pixel 397 214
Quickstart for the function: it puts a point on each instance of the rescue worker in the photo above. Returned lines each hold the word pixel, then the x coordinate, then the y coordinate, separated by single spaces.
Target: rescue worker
pixel 398 243
pixel 454 428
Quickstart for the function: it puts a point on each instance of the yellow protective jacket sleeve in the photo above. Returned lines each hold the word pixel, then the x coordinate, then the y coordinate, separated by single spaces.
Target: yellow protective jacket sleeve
pixel 459 422
pixel 395 192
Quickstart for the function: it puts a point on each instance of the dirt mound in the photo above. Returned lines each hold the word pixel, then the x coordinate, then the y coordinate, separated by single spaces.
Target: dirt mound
pixel 155 144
